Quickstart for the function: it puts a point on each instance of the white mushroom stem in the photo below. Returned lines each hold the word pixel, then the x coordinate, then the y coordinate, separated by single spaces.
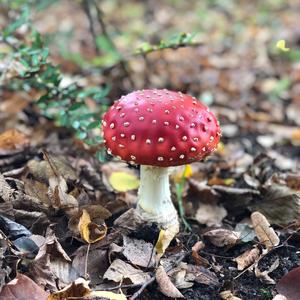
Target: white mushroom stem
pixel 154 197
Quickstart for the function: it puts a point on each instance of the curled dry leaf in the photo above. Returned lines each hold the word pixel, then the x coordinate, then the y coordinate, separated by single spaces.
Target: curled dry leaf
pixel 211 215
pixel 59 197
pixel 89 231
pixel 264 232
pixel 289 286
pixel 77 289
pixel 222 237
pixel 165 284
pixel 227 295
pixel 264 276
pixel 199 260
pixel 22 288
pixel 119 270
pixel 247 258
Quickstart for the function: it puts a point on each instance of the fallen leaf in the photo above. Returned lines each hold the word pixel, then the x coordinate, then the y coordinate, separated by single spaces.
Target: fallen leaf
pixel 60 199
pixel 211 215
pixel 123 182
pixel 247 233
pixel 108 295
pixel 12 140
pixel 77 289
pixel 264 232
pixel 138 252
pixel 227 295
pixel 199 260
pixel 164 239
pixel 202 275
pixel 89 231
pixel 247 258
pixel 222 237
pixel 119 270
pixel 22 288
pixel 280 205
pixel 165 284
pixel 289 286
pixel 281 45
pixel 264 276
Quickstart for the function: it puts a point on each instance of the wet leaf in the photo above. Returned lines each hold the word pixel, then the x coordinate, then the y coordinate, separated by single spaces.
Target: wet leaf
pixel 289 286
pixel 264 232
pixel 90 232
pixel 119 270
pixel 123 182
pixel 22 288
pixel 165 284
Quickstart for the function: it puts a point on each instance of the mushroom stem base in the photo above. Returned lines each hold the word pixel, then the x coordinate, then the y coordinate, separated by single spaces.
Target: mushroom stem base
pixel 154 197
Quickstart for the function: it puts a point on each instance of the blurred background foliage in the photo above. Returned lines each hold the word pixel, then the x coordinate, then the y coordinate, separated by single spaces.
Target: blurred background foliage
pixel 73 58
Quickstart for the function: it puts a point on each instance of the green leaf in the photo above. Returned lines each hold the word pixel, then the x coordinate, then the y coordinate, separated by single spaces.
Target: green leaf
pixel 81 135
pixel 24 18
pixel 95 124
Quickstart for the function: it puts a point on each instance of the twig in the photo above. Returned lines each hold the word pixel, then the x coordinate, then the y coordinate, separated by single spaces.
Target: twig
pixel 86 261
pixel 86 9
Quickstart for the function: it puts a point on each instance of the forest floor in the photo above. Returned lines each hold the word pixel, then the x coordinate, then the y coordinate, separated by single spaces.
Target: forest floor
pixel 53 188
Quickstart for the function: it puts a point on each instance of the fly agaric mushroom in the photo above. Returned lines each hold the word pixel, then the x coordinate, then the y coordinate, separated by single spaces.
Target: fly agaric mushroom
pixel 159 129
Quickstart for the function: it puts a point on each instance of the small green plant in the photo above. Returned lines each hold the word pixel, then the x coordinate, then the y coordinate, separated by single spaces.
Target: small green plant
pixel 28 68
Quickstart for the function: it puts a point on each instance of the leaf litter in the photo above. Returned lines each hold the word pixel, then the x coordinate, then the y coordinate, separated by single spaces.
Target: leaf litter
pixel 49 182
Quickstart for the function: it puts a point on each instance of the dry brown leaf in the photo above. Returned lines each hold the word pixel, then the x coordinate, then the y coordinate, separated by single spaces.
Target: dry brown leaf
pixel 202 275
pixel 89 231
pixel 119 270
pixel 77 289
pixel 247 258
pixel 264 276
pixel 199 260
pixel 12 140
pixel 60 199
pixel 227 295
pixel 138 252
pixel 165 284
pixel 222 237
pixel 22 288
pixel 211 215
pixel 264 232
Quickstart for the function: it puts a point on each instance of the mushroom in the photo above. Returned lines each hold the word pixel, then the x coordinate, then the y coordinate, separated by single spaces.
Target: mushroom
pixel 159 129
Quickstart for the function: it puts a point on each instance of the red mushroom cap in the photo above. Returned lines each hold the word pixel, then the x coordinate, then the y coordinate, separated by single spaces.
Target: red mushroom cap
pixel 160 128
